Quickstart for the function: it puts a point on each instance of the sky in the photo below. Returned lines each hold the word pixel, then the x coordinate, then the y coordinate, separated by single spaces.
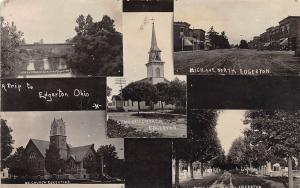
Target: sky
pixel 230 126
pixel 54 21
pixel 82 128
pixel 240 19
pixel 137 32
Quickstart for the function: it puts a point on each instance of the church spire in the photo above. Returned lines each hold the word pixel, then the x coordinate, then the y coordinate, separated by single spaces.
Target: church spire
pixel 154 46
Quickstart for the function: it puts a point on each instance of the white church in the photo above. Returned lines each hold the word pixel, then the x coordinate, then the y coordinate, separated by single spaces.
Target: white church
pixel 155 74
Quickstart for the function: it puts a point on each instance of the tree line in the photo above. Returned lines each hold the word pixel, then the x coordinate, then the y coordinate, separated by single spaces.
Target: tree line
pixel 173 92
pixel 272 136
pixel 97 49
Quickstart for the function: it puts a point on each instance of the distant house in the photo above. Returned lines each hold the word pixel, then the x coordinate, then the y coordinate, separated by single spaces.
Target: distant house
pixel 46 60
pixel 74 156
pixel 280 37
pixel 186 38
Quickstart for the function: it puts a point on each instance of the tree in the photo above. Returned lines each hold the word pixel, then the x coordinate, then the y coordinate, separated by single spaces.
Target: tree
pixel 11 58
pixel 236 154
pixel 278 130
pixel 108 91
pixel 202 143
pixel 163 93
pixel 6 141
pixel 218 40
pixel 97 48
pixel 52 160
pixel 140 91
pixel 177 92
pixel 92 165
pixel 17 163
pixel 108 156
pixel 243 44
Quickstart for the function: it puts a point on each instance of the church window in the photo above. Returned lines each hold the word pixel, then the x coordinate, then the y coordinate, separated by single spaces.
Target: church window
pixel 157 72
pixel 131 103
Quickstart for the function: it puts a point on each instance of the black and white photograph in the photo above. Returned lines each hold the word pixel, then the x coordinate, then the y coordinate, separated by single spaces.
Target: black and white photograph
pixel 148 5
pixel 238 148
pixel 149 100
pixel 54 39
pixel 59 148
pixel 237 37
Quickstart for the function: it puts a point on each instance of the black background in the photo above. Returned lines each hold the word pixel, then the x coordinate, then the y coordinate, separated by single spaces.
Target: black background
pixel 148 163
pixel 28 100
pixel 148 6
pixel 241 92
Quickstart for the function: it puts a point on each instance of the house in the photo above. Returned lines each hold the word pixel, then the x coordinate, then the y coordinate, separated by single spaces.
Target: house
pixel 187 39
pixel 45 60
pixel 281 37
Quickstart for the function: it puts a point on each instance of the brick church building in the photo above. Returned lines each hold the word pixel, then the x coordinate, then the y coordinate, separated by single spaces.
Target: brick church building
pixel 74 156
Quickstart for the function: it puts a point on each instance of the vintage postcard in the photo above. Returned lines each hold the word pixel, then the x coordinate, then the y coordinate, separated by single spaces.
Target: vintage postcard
pixel 249 37
pixel 59 148
pixel 42 39
pixel 148 101
pixel 238 148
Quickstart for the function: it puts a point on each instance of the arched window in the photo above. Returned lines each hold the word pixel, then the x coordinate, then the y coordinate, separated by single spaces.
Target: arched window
pixel 157 72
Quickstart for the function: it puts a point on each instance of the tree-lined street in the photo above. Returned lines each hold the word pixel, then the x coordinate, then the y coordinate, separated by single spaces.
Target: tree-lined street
pixel 266 155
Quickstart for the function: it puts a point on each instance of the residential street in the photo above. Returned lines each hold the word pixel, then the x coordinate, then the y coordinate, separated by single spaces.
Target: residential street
pixel 237 62
pixel 230 180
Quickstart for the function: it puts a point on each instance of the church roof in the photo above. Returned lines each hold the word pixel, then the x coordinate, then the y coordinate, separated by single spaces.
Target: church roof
pixel 154 46
pixel 41 145
pixel 78 153
pixel 150 80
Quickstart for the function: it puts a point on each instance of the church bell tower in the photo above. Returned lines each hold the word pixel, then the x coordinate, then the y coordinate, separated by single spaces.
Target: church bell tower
pixel 155 66
pixel 58 137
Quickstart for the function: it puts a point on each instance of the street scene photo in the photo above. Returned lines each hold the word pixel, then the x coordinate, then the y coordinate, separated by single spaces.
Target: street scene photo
pixel 59 148
pixel 148 101
pixel 61 39
pixel 238 149
pixel 239 37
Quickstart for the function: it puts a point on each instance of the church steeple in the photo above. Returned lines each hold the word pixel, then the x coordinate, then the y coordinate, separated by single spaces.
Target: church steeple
pixel 58 136
pixel 154 46
pixel 155 66
pixel 154 53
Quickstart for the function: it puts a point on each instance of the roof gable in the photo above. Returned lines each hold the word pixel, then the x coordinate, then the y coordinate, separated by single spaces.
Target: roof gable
pixel 41 145
pixel 79 153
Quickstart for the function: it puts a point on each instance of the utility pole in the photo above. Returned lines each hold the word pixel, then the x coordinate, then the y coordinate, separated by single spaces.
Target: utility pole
pixel 121 82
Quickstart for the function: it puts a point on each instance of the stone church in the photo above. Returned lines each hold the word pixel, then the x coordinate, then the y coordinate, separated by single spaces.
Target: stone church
pixel 74 156
pixel 155 74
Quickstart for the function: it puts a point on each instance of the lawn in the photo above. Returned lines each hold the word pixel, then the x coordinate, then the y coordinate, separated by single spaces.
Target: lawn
pixel 246 180
pixel 206 181
pixel 146 124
